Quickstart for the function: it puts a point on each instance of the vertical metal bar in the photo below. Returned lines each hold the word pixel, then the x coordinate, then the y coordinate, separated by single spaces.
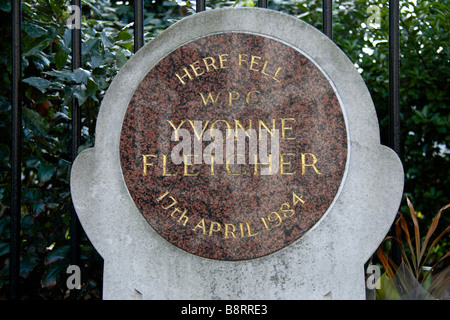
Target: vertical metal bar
pixel 262 3
pixel 138 24
pixel 14 262
pixel 394 95
pixel 75 227
pixel 200 5
pixel 394 76
pixel 327 12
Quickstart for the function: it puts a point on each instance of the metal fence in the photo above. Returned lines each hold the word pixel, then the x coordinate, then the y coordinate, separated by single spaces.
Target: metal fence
pixel 75 227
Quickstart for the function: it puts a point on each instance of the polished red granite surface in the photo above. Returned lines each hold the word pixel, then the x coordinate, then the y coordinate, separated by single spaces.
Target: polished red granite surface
pixel 234 212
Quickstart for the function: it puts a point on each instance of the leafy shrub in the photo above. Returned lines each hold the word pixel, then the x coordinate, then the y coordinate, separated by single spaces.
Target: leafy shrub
pixel 48 86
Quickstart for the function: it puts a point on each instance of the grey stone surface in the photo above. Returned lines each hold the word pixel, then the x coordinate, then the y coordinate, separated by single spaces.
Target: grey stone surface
pixel 326 263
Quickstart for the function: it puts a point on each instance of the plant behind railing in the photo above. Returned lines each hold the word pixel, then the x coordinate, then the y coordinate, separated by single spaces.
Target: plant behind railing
pixel 404 279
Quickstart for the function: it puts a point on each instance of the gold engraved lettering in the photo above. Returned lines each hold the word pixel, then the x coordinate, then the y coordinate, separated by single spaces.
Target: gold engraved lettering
pixel 174 202
pixel 196 68
pixel 247 98
pixel 253 62
pixel 227 232
pixel 229 127
pixel 242 60
pixel 262 124
pixel 283 162
pixel 263 71
pixel 201 225
pixel 255 65
pixel 273 217
pixel 233 95
pixel 208 64
pixel 211 64
pixel 162 196
pixel 227 165
pixel 223 60
pixel 265 223
pixel 241 227
pixel 187 74
pixel 286 210
pixel 220 120
pixel 189 163
pixel 209 97
pixel 296 198
pixel 175 211
pixel 183 218
pixel 284 128
pixel 165 173
pixel 176 128
pixel 255 171
pixel 276 73
pixel 238 124
pixel 146 163
pixel 313 164
pixel 212 165
pixel 197 134
pixel 212 229
pixel 249 232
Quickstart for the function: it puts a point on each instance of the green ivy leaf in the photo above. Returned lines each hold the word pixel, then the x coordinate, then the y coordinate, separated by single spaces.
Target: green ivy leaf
pixel 53 274
pixel 61 58
pixel 39 83
pixel 31 194
pixel 4 248
pixel 121 59
pixel 32 29
pixel 5 5
pixel 28 225
pixel 27 264
pixel 57 254
pixel 62 75
pixel 92 89
pixel 123 35
pixel 45 172
pixel 107 41
pixel 35 122
pixel 81 75
pixel 4 225
pixel 4 156
pixel 63 170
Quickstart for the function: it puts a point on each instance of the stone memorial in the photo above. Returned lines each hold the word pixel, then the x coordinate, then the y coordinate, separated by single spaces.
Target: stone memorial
pixel 237 156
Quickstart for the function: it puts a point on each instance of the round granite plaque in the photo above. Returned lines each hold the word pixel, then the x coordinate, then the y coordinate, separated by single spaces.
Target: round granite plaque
pixel 234 145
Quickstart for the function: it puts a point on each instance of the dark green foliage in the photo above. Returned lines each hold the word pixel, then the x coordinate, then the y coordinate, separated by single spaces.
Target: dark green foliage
pixel 49 84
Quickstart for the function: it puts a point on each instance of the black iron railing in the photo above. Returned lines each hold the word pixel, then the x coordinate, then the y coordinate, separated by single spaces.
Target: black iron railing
pixel 75 227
